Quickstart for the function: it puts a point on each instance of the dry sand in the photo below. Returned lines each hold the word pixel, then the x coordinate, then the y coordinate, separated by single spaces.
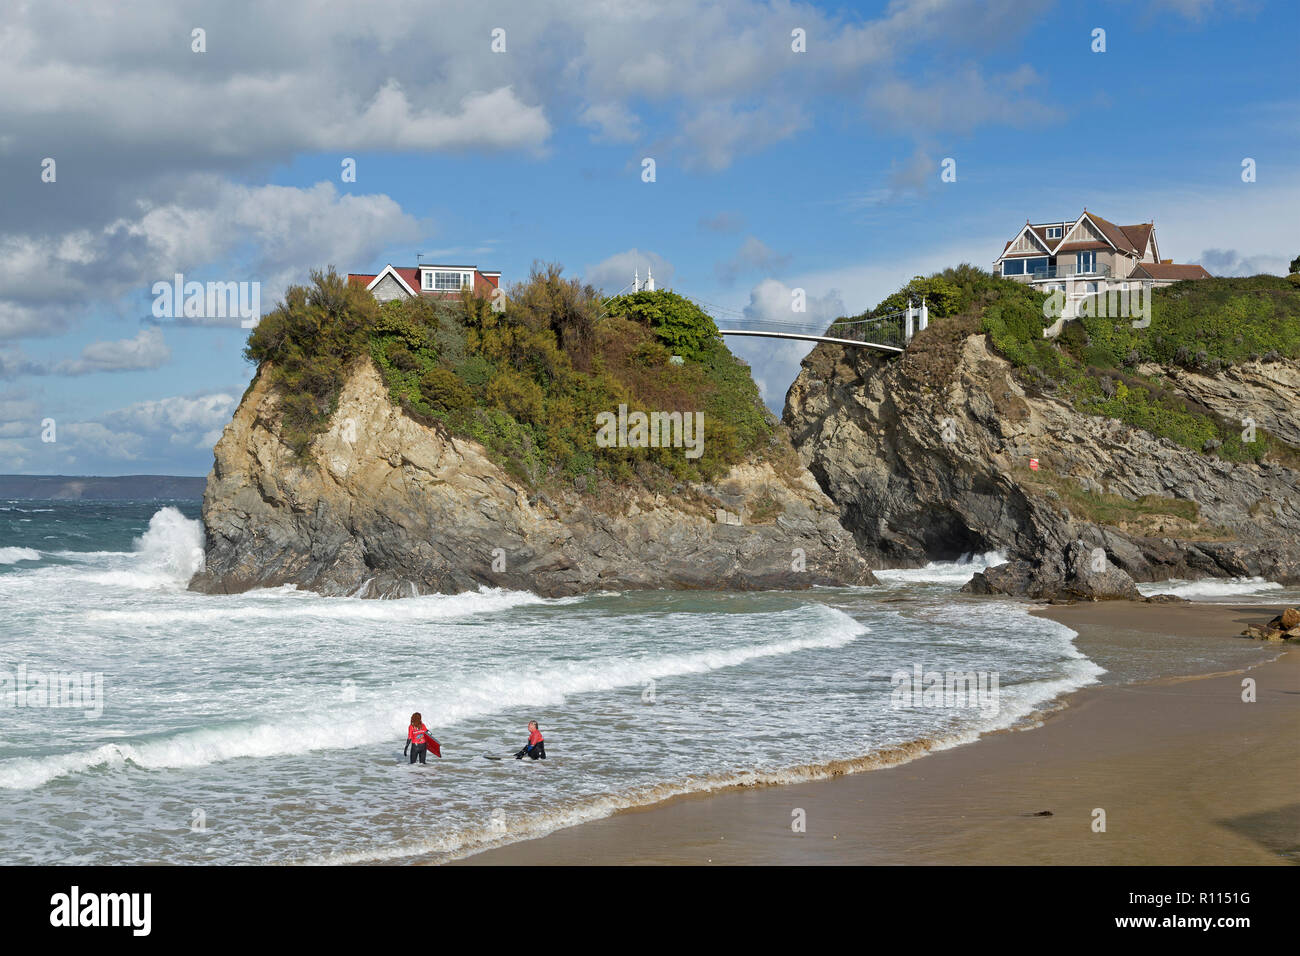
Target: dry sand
pixel 1185 770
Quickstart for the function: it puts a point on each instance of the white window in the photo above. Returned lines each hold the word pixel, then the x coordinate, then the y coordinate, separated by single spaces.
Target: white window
pixel 1053 232
pixel 441 281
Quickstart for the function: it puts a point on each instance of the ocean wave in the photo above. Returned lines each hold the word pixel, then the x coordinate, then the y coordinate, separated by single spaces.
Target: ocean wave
pixel 1020 705
pixel 1027 701
pixel 1210 587
pixel 365 725
pixel 304 604
pixel 943 572
pixel 173 545
pixel 14 555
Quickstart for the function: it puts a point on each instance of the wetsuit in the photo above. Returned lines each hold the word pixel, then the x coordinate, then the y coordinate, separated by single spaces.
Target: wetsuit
pixel 535 748
pixel 419 741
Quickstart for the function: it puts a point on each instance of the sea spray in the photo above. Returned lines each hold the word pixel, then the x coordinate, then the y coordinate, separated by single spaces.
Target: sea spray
pixel 249 707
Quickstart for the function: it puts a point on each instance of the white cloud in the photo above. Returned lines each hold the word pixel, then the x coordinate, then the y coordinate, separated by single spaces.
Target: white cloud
pixel 13 362
pixel 615 273
pixel 275 234
pixel 613 122
pixel 301 75
pixel 908 180
pixel 16 405
pixel 959 102
pixel 774 362
pixel 147 350
pixel 754 255
pixel 717 133
pixel 95 440
pixel 174 434
pixel 189 416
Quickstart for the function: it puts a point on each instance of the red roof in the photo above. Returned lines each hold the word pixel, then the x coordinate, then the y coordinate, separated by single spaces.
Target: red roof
pixel 1174 271
pixel 411 276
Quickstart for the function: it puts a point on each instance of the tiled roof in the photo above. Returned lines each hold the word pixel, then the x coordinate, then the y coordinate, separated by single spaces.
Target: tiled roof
pixel 410 276
pixel 1173 271
pixel 1139 235
pixel 1130 240
pixel 1118 238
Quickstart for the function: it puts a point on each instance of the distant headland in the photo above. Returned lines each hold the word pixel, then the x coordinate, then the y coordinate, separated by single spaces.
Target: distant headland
pixel 95 488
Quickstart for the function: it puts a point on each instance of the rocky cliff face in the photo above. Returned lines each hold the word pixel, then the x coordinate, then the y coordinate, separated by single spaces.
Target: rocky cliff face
pixel 386 507
pixel 928 457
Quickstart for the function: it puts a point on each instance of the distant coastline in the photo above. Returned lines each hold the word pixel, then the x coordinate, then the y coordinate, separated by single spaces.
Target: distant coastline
pixel 96 488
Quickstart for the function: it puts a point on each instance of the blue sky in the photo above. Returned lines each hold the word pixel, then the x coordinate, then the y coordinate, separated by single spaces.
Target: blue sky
pixel 774 169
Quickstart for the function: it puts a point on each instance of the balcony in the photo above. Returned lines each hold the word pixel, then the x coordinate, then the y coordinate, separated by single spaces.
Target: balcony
pixel 1070 271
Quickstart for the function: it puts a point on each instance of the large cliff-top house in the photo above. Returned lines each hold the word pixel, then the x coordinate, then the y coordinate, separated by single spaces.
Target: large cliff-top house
pixel 1089 255
pixel 398 282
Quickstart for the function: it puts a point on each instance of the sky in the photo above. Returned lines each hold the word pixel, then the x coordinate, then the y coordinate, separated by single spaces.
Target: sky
pixel 794 146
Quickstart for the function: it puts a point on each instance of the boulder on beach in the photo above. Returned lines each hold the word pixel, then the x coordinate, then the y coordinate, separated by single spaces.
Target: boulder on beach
pixel 1284 627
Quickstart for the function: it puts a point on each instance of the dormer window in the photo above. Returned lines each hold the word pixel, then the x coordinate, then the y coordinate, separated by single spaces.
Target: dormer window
pixel 1054 232
pixel 438 280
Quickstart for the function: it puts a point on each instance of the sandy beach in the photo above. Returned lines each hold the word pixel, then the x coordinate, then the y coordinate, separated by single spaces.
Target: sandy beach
pixel 1185 771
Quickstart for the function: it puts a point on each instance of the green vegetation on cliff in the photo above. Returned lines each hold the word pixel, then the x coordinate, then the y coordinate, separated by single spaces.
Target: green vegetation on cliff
pixel 1205 325
pixel 528 381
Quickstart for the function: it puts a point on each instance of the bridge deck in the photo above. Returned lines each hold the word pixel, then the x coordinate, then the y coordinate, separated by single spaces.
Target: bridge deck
pixel 893 349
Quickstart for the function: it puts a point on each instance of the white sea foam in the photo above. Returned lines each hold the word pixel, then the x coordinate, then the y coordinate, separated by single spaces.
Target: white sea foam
pixel 943 572
pixel 216 705
pixel 173 545
pixel 356 725
pixel 1211 587
pixel 431 607
pixel 1018 703
pixel 14 555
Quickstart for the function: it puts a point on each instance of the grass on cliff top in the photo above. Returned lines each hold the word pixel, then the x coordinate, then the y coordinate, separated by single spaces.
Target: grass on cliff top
pixel 1206 325
pixel 526 382
pixel 1103 507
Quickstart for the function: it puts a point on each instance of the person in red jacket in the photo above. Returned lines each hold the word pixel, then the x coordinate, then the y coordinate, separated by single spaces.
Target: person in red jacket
pixel 419 740
pixel 536 746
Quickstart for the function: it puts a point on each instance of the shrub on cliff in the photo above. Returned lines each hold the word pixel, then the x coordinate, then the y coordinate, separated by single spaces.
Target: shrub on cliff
pixel 1206 325
pixel 525 379
pixel 310 341
pixel 681 325
pixel 1195 323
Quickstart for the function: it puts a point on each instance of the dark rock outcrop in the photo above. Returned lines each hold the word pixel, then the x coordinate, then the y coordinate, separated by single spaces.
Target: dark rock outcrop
pixel 928 457
pixel 386 507
pixel 1083 575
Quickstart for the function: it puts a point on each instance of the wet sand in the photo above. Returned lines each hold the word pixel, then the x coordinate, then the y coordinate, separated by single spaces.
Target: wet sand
pixel 1185 770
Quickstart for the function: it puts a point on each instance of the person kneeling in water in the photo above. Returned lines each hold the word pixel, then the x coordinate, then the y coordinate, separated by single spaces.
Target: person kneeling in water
pixel 536 746
pixel 420 740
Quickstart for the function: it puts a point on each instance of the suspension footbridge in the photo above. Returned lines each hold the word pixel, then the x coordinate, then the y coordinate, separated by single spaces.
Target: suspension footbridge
pixel 889 333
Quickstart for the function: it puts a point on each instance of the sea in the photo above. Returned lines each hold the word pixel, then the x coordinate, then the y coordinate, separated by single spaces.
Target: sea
pixel 144 723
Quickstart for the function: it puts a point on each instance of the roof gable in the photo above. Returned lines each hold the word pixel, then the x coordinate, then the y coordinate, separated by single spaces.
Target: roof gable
pixel 1038 240
pixel 410 281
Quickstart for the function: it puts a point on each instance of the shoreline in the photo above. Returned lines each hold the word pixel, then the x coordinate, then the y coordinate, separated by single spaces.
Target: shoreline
pixel 1184 770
